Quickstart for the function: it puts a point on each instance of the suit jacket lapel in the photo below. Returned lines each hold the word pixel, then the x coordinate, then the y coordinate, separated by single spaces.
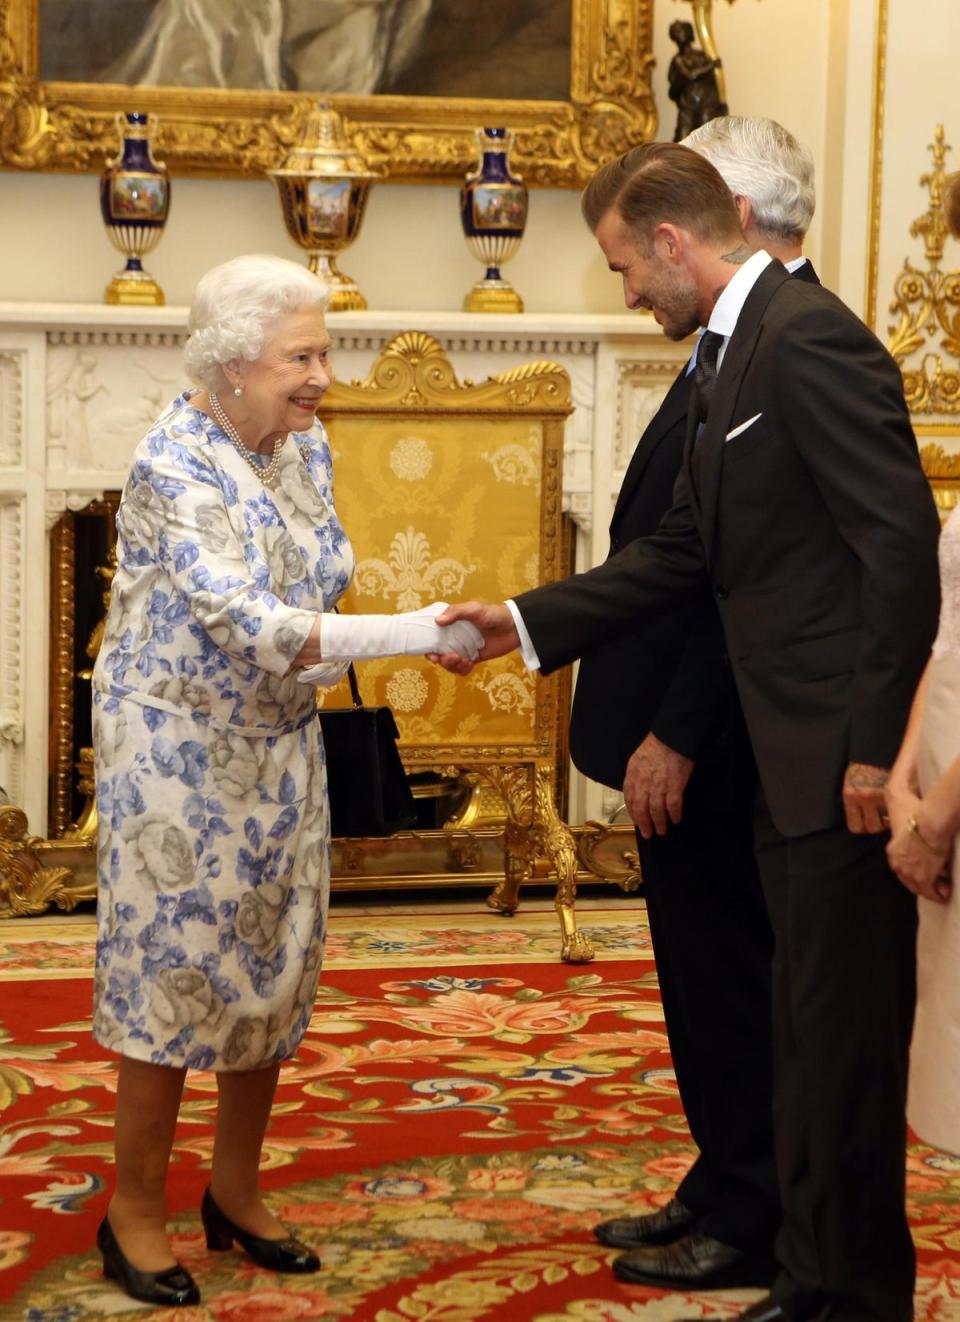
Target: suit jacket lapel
pixel 736 360
pixel 670 412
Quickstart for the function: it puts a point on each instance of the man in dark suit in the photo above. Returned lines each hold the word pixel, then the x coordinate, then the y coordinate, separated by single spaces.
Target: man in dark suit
pixel 655 712
pixel 803 510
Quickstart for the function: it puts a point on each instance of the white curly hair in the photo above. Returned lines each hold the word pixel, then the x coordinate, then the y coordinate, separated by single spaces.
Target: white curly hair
pixel 762 161
pixel 233 308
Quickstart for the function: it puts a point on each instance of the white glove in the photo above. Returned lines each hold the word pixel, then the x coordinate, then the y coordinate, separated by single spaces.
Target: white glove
pixel 324 675
pixel 359 637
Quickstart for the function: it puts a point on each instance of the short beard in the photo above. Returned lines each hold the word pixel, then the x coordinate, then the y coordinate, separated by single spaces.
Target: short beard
pixel 681 316
pixel 677 301
pixel 676 329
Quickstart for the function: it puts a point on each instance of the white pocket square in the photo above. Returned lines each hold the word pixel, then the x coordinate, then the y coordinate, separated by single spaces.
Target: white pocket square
pixel 738 431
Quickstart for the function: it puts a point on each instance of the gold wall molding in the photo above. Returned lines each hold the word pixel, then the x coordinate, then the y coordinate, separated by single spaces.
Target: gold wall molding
pixel 70 126
pixel 875 205
pixel 927 303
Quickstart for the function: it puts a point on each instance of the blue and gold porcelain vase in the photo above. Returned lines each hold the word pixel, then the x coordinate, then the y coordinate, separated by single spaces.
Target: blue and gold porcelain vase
pixel 134 203
pixel 323 183
pixel 493 211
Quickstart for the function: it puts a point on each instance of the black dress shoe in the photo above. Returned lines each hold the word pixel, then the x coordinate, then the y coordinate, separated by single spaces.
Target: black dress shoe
pixel 174 1286
pixel 671 1222
pixel 695 1262
pixel 277 1255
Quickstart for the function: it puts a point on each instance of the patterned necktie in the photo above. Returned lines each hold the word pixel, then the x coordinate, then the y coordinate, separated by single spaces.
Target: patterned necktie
pixel 705 372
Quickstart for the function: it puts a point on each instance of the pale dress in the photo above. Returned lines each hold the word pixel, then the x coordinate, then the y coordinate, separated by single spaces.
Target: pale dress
pixel 214 844
pixel 934 1095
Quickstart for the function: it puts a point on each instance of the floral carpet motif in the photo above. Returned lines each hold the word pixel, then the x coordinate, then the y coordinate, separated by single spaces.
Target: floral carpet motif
pixel 464 1108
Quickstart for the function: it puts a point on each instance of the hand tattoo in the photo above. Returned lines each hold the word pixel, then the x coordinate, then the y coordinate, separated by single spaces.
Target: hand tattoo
pixel 861 777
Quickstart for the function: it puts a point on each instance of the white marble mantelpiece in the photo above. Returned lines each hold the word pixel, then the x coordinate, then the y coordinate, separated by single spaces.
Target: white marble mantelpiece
pixel 80 383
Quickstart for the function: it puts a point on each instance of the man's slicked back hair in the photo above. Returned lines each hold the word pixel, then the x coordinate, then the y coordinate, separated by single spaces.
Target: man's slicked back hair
pixel 663 182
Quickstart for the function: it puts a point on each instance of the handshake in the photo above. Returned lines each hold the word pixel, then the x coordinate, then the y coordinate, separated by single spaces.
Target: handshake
pixel 452 636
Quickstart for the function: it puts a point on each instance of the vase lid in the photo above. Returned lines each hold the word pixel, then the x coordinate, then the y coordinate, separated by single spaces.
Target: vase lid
pixel 324 149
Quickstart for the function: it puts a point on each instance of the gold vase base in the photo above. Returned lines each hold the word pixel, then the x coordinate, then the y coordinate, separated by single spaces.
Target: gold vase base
pixel 344 294
pixel 138 291
pixel 346 298
pixel 492 296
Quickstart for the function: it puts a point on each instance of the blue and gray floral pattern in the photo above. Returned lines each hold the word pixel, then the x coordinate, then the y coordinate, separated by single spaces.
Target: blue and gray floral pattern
pixel 214 846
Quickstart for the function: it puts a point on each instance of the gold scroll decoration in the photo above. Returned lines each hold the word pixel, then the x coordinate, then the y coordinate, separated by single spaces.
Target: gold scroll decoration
pixel 927 304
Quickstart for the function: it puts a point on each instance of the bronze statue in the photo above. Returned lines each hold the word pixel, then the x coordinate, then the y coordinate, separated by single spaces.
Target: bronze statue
pixel 693 82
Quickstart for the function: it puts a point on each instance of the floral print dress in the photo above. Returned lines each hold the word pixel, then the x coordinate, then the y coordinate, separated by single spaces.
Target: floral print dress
pixel 214 844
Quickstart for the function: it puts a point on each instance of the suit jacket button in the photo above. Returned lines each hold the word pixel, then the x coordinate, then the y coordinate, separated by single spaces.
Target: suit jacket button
pixel 720 592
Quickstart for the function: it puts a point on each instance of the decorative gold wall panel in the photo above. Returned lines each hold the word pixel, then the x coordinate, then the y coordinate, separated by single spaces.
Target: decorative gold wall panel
pixel 70 126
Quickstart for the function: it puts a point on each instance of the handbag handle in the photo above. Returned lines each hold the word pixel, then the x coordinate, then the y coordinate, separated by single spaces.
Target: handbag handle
pixel 354 686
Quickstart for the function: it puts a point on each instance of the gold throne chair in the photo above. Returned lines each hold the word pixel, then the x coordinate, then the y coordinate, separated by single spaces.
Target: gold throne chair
pixel 451 490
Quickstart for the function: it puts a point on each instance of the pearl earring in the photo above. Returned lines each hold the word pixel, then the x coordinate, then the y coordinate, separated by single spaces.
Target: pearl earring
pixel 238 391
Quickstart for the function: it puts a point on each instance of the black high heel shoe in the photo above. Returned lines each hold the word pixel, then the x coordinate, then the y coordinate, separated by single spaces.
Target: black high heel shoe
pixel 277 1255
pixel 174 1286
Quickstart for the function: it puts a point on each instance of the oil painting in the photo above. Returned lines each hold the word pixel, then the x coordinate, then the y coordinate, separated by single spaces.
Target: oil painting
pixel 405 47
pixel 230 83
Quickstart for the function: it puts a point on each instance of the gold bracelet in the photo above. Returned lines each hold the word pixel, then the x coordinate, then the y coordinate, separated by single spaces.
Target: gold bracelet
pixel 914 829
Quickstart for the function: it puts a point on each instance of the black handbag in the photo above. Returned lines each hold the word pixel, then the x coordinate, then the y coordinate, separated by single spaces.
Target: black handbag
pixel 369 793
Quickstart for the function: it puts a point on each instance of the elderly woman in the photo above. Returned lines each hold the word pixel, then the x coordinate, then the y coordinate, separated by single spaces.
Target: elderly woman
pixel 214 826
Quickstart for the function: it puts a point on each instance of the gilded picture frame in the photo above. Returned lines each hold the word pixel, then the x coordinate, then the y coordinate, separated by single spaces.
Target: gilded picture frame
pixel 70 126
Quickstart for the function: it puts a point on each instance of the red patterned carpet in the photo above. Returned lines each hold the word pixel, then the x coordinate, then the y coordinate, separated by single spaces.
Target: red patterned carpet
pixel 464 1109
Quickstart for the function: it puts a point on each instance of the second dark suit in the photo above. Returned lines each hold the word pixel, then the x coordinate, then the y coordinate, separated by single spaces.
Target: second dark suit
pixel 711 935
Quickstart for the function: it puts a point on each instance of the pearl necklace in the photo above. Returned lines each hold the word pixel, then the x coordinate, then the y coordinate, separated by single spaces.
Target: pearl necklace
pixel 268 474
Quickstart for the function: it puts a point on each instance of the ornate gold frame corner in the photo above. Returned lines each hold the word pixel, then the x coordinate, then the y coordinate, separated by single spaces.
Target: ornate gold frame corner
pixel 206 131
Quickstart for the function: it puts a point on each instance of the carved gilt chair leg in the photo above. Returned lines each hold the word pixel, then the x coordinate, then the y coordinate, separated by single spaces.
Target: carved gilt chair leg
pixel 514 784
pixel 518 849
pixel 559 847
